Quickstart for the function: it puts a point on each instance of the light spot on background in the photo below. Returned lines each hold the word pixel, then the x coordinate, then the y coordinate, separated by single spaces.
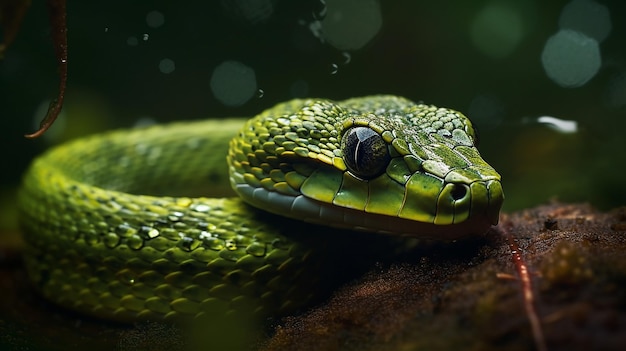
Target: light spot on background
pixel 571 58
pixel 132 41
pixel 144 121
pixel 167 66
pixel 299 88
pixel 486 111
pixel 350 24
pixel 560 125
pixel 233 83
pixel 497 30
pixel 616 90
pixel 155 19
pixel 252 11
pixel 587 17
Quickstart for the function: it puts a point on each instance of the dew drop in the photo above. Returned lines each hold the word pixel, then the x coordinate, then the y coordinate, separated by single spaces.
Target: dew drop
pixel 347 57
pixel 261 93
pixel 201 208
pixel 231 245
pixel 153 233
pixel 334 68
pixel 145 37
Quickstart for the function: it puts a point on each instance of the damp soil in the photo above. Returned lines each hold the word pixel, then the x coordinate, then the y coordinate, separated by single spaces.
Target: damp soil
pixel 465 295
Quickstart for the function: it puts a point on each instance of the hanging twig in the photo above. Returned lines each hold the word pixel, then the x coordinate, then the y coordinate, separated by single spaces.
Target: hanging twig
pixel 57 15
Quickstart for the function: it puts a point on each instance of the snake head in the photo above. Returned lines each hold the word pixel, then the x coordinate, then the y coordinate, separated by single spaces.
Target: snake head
pixel 378 163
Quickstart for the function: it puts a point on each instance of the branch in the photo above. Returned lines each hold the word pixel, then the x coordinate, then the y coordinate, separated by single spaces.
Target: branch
pixel 57 15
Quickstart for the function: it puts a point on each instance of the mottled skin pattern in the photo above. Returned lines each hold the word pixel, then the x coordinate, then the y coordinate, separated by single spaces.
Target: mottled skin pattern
pixel 99 244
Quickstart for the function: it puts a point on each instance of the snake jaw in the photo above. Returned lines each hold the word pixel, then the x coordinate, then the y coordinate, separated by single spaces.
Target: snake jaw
pixel 313 211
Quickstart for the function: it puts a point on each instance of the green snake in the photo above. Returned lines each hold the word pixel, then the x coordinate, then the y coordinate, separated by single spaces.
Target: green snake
pixel 113 228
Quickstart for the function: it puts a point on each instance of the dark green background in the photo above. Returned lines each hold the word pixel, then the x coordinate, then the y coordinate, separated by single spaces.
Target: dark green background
pixel 423 52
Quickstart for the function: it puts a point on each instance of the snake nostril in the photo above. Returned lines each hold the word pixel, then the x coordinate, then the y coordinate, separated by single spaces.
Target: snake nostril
pixel 459 191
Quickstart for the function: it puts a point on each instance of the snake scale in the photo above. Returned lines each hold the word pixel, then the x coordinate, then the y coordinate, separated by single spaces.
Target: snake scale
pixel 114 227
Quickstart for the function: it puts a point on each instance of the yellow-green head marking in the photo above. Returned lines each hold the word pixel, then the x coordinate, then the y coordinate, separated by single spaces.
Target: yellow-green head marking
pixel 378 163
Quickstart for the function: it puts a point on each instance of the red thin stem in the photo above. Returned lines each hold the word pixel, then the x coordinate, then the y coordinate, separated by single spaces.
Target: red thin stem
pixel 527 287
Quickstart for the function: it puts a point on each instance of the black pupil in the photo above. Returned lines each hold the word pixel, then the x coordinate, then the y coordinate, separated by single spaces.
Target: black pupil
pixel 365 152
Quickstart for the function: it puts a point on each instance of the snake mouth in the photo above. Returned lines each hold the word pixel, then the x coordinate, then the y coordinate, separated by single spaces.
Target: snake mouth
pixel 484 198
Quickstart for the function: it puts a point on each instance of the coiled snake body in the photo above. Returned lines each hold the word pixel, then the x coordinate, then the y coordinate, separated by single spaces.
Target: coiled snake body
pixel 111 230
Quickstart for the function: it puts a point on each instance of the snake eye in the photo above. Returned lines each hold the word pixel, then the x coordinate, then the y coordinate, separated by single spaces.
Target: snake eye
pixel 365 152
